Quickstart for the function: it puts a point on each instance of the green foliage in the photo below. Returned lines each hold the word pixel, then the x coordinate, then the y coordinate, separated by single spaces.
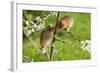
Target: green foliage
pixel 82 28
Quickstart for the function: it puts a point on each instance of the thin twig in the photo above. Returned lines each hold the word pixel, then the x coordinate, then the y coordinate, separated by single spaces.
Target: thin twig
pixel 75 36
pixel 64 41
pixel 51 52
pixel 48 55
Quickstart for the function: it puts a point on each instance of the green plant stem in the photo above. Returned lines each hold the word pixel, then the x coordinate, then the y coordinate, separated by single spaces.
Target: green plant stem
pixel 64 41
pixel 51 52
pixel 75 36
pixel 48 56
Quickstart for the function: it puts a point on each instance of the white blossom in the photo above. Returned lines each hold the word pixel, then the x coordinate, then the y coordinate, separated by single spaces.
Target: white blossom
pixel 34 25
pixel 32 22
pixel 27 22
pixel 39 25
pixel 86 45
pixel 33 30
pixel 28 32
pixel 53 13
pixel 38 19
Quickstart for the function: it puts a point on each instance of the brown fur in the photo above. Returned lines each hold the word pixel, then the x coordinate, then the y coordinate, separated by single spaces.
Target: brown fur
pixel 46 34
pixel 65 22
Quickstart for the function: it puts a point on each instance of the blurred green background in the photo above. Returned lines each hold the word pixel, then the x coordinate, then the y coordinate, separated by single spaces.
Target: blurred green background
pixel 81 27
